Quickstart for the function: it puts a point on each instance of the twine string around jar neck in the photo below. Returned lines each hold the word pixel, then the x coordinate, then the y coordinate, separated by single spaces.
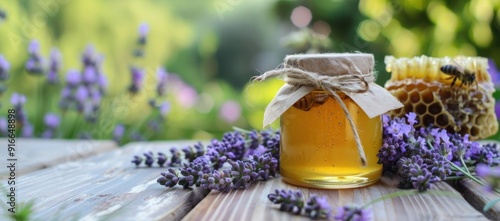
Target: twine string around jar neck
pixel 348 83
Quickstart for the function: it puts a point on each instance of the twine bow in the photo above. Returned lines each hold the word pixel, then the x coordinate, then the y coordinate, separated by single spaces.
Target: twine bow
pixel 348 83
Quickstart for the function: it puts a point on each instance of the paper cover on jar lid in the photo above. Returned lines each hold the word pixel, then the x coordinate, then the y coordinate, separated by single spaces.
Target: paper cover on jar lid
pixel 351 74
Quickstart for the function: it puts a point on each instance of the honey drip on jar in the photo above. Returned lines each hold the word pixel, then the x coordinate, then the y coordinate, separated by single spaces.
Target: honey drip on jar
pixel 318 147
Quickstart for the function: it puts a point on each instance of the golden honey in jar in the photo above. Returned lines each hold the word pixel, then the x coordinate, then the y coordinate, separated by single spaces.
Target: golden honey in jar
pixel 331 129
pixel 318 146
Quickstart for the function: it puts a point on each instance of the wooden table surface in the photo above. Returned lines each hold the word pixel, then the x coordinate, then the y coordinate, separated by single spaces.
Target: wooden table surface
pixel 83 180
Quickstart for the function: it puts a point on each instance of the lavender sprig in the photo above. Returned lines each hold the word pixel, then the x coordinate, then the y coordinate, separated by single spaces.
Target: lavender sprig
pixel 428 155
pixel 204 169
pixel 290 201
pixel 353 213
pixel 318 207
pixel 149 159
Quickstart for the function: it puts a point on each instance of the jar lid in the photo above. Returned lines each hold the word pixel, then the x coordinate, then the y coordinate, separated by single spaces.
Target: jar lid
pixel 351 73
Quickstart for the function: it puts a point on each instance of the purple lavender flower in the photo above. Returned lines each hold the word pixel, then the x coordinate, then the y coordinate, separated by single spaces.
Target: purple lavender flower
pixel 497 109
pixel 34 47
pixel 27 130
pixel 164 109
pixel 318 207
pixel 162 159
pixel 136 136
pixel 89 76
pixel 55 64
pixel 203 167
pixel 102 82
pixel 17 100
pixel 490 174
pixel 149 158
pixel 90 57
pixel 241 172
pixel 162 76
pixel 4 68
pixel 220 181
pixel 193 152
pixel 118 132
pixel 137 75
pixel 3 126
pixel 73 78
pixel 176 157
pixel 48 134
pixel 137 160
pixel 353 213
pixel 51 120
pixel 290 201
pixel 34 64
pixel 169 178
pixel 143 32
pixel 81 94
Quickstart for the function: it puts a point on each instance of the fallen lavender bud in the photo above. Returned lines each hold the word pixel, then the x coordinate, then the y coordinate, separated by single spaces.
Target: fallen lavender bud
pixel 353 213
pixel 169 178
pixel 137 160
pixel 161 159
pixel 176 157
pixel 217 181
pixel 240 173
pixel 290 201
pixel 150 159
pixel 318 207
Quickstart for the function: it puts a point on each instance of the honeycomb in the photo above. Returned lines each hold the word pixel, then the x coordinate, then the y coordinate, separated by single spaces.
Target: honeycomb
pixel 421 86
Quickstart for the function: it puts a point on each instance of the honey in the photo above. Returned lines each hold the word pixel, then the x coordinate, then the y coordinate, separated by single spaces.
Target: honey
pixel 318 147
pixel 427 91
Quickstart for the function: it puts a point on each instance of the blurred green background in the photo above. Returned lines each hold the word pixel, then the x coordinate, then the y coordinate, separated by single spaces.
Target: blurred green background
pixel 215 47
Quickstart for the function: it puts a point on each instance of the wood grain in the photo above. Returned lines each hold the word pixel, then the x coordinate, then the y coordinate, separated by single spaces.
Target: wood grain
pixel 35 154
pixel 477 196
pixel 106 187
pixel 252 203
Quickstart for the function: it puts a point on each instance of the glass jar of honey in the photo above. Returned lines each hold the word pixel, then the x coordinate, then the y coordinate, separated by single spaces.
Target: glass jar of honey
pixel 331 128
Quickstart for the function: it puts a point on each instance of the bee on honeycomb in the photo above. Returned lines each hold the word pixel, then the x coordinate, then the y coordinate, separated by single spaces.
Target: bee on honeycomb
pixel 422 86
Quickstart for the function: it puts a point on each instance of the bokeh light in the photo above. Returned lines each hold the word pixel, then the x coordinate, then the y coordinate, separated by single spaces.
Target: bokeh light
pixel 301 16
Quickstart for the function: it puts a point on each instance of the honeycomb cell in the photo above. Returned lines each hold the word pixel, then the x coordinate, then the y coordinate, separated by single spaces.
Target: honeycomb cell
pixel 435 108
pixel 474 131
pixel 421 86
pixel 466 130
pixel 428 119
pixel 403 97
pixel 428 97
pixel 410 87
pixel 408 108
pixel 415 97
pixel 420 109
pixel 442 120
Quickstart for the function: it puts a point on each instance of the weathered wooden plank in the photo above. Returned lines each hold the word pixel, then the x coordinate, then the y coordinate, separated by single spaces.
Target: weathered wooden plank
pixel 35 154
pixel 252 203
pixel 477 196
pixel 106 187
